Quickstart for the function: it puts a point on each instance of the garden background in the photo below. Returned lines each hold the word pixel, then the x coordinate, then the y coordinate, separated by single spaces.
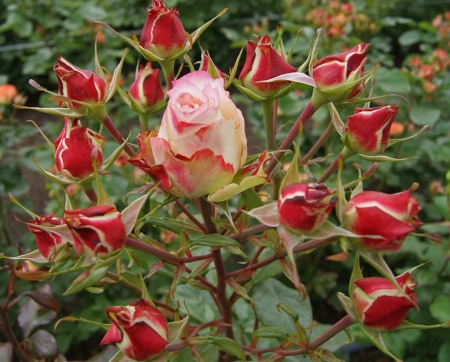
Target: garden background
pixel 412 42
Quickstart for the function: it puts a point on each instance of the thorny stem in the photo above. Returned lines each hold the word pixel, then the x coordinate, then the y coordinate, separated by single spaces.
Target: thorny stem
pixel 206 210
pixel 162 254
pixel 190 216
pixel 309 245
pixel 105 120
pixel 6 325
pixel 324 337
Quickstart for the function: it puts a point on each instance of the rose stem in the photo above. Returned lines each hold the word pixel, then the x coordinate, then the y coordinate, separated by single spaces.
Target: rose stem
pixel 190 216
pixel 341 157
pixel 267 106
pixel 105 120
pixel 143 122
pixel 344 323
pixel 206 210
pixel 304 117
pixel 326 134
pixel 89 191
pixel 309 245
pixel 167 68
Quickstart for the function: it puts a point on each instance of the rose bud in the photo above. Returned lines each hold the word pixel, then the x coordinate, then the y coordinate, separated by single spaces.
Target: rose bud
pixel 340 77
pixel 378 303
pixel 367 131
pixel 387 218
pixel 263 63
pixel 80 85
pixel 201 143
pixel 139 330
pixel 77 147
pixel 146 93
pixel 96 231
pixel 303 207
pixel 208 65
pixel 52 246
pixel 163 33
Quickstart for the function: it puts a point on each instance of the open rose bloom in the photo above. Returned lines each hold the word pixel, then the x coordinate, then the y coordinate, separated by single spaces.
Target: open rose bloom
pixel 201 143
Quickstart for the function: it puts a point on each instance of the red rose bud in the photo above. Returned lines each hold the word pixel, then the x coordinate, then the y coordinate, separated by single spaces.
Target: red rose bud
pixel 52 246
pixel 303 207
pixel 378 303
pixel 163 33
pixel 146 92
pixel 339 77
pixel 77 147
pixel 367 131
pixel 139 330
pixel 263 63
pixel 79 85
pixel 208 65
pixel 97 230
pixel 390 217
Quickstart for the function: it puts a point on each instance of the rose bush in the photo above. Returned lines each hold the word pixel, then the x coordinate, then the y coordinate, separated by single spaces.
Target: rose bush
pixel 139 330
pixel 380 305
pixel 201 143
pixel 387 218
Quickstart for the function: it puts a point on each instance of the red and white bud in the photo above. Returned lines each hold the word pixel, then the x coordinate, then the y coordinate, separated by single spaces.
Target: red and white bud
pixel 340 77
pixel 79 85
pixel 380 305
pixel 303 207
pixel 367 131
pixel 146 91
pixel 139 330
pixel 264 63
pixel 388 217
pixel 163 33
pixel 97 231
pixel 52 246
pixel 77 149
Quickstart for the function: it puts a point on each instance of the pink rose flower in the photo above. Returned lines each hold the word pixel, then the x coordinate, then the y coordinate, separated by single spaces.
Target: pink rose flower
pixel 201 143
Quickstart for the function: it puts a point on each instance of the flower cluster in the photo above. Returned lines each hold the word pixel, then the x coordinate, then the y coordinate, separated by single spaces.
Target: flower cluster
pixel 201 188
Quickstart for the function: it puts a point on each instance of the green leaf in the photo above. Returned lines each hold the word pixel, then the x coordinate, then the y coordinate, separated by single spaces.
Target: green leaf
pixel 410 37
pixel 271 292
pixel 229 346
pixel 251 199
pixel 270 332
pixel 424 114
pixel 86 279
pixel 176 329
pixel 444 352
pixel 42 345
pixel 32 315
pixel 213 240
pixel 439 309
